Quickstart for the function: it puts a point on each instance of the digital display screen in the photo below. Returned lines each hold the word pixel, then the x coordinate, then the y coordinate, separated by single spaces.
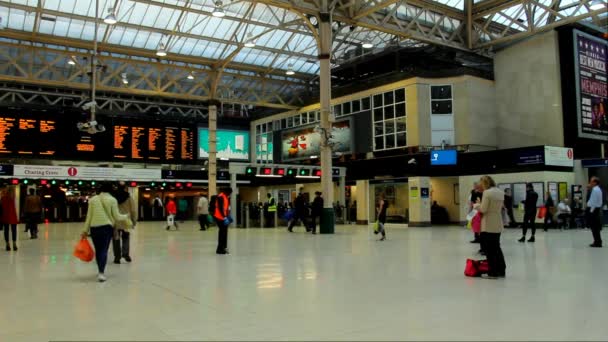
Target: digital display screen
pixel 231 145
pixel 266 171
pixel 279 172
pixel 317 173
pixel 444 157
pixel 28 136
pixel 304 172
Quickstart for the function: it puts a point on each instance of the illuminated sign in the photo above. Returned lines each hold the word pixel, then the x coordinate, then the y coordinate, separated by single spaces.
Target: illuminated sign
pixel 266 171
pixel 317 173
pixel 279 171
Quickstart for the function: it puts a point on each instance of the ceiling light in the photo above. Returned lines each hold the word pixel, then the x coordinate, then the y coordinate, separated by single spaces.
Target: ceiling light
pixel 218 10
pixel 290 71
pixel 250 42
pixel 110 19
pixel 597 5
pixel 125 80
pixel 72 60
pixel 190 75
pixel 161 52
pixel 367 45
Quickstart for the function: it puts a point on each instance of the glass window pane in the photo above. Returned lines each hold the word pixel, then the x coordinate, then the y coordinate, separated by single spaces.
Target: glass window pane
pixel 441 107
pixel 269 129
pixel 390 141
pixel 338 110
pixel 388 98
pixel 346 108
pixel 296 120
pixel 356 106
pixel 441 92
pixel 283 123
pixel 318 115
pixel 401 125
pixel 379 143
pixel 400 110
pixel 399 95
pixel 290 121
pixel 378 128
pixel 401 140
pixel 377 100
pixel 378 114
pixel 311 117
pixel 304 119
pixel 389 112
pixel 258 129
pixel 365 105
pixel 389 127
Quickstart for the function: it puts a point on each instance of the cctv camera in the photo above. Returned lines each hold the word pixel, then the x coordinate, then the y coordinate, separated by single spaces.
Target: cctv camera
pixel 89 105
pixel 412 161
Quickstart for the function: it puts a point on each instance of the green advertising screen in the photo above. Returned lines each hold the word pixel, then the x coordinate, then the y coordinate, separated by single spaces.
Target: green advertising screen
pixel 232 145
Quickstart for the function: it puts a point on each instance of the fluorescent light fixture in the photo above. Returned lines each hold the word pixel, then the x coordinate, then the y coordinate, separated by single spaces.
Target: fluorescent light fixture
pixel 314 157
pixel 597 5
pixel 309 177
pixel 367 45
pixel 161 52
pixel 125 80
pixel 110 19
pixel 290 71
pixel 268 176
pixel 190 75
pixel 224 159
pixel 250 42
pixel 72 60
pixel 218 10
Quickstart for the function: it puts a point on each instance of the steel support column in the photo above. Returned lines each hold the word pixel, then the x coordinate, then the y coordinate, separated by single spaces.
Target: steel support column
pixel 212 149
pixel 325 48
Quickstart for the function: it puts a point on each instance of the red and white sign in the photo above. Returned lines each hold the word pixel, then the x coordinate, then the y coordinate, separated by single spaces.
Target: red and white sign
pixel 559 156
pixel 86 173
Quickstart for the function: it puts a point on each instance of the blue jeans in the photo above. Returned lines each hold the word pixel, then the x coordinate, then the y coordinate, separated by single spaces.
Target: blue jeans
pixel 102 236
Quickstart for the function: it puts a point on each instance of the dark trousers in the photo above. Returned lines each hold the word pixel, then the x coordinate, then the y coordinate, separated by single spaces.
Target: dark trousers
pixel 203 221
pixel 490 244
pixel 222 237
pixel 512 222
pixel 529 219
pixel 13 230
pixel 295 219
pixel 549 221
pixel 594 222
pixel 102 236
pixel 120 245
pixel 269 219
pixel 31 223
pixel 313 222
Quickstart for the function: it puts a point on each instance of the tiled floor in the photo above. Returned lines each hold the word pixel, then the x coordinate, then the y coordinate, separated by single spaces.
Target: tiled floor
pixel 281 286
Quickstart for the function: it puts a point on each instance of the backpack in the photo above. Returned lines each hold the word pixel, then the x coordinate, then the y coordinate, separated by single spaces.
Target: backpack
pixel 212 204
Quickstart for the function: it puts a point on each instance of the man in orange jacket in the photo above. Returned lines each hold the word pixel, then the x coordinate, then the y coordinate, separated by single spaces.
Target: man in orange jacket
pixel 222 219
pixel 171 211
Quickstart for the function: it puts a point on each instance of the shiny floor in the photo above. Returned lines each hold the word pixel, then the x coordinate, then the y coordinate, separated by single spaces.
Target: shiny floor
pixel 281 286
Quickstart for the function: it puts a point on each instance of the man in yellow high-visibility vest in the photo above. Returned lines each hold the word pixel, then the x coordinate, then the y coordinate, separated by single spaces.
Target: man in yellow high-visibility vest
pixel 271 208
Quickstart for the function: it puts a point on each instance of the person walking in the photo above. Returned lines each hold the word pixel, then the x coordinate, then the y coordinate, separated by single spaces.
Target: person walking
pixel 9 218
pixel 301 212
pixel 549 220
pixel 122 234
pixel 475 198
pixel 529 213
pixel 317 209
pixel 381 210
pixel 492 226
pixel 594 211
pixel 32 211
pixel 202 209
pixel 102 215
pixel 271 209
pixel 171 213
pixel 509 208
pixel 223 219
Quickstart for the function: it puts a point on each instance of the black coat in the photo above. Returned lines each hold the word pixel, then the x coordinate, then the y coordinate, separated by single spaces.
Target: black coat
pixel 530 202
pixel 317 206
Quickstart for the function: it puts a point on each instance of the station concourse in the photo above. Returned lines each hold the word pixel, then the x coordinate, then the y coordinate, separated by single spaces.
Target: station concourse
pixel 303 170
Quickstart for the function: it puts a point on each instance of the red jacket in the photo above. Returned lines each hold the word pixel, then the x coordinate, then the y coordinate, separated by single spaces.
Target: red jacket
pixel 9 212
pixel 171 207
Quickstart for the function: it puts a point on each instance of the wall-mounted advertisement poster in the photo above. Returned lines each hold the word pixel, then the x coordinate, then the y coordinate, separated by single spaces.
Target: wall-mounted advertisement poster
pixel 304 143
pixel 231 145
pixel 591 56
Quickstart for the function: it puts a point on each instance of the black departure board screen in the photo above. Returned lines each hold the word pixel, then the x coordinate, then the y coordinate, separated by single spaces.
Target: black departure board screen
pixel 28 136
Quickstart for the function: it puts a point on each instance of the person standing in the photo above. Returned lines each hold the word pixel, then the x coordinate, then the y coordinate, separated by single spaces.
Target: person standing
pixel 594 211
pixel 271 209
pixel 9 217
pixel 475 198
pixel 317 209
pixel 102 215
pixel 171 213
pixel 549 211
pixel 529 213
pixel 122 236
pixel 32 211
pixel 563 213
pixel 223 219
pixel 301 212
pixel 202 209
pixel 381 210
pixel 509 208
pixel 492 226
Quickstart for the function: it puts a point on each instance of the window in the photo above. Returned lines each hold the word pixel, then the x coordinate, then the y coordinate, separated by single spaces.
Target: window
pixel 263 143
pixel 442 115
pixel 389 116
pixel 441 99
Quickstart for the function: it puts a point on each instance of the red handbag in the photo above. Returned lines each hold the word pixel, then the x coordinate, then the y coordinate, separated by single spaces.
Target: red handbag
pixel 475 268
pixel 542 212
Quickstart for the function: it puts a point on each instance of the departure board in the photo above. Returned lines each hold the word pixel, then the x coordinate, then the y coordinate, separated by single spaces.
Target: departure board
pixel 122 137
pixel 155 144
pixel 27 136
pixel 187 144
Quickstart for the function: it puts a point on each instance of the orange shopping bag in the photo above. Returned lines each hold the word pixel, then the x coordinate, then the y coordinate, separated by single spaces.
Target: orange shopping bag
pixel 84 251
pixel 542 212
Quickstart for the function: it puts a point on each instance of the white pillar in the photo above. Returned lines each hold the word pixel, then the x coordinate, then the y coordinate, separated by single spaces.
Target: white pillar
pixel 420 201
pixel 212 150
